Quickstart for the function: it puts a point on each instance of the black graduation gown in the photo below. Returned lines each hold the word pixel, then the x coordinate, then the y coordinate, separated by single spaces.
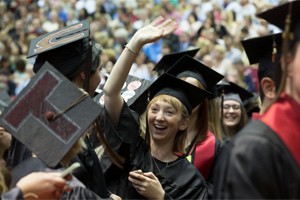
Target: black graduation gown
pixel 17 153
pixel 260 163
pixel 90 173
pixel 180 180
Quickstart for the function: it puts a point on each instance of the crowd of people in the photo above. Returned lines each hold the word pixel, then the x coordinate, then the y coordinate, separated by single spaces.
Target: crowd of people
pixel 216 27
pixel 217 80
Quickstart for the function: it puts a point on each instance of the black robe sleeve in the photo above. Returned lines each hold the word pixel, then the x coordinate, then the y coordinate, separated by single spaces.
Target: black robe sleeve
pixel 17 153
pixel 273 175
pixel 121 138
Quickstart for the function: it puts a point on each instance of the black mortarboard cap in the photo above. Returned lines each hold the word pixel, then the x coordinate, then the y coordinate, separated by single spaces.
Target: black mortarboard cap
pixel 233 91
pixel 166 62
pixel 66 49
pixel 50 115
pixel 189 95
pixel 261 48
pixel 131 90
pixel 266 51
pixel 5 100
pixel 285 16
pixel 277 15
pixel 188 66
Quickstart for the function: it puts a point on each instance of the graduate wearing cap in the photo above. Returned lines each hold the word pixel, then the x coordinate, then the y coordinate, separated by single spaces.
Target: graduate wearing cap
pixel 152 168
pixel 71 51
pixel 234 115
pixel 266 51
pixel 44 118
pixel 200 133
pixel 263 161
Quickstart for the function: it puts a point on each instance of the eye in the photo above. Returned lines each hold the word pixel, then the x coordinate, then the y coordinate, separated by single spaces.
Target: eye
pixel 235 107
pixel 169 112
pixel 154 109
pixel 226 106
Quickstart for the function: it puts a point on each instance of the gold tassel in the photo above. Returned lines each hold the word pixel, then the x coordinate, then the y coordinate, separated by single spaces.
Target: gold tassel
pixel 274 52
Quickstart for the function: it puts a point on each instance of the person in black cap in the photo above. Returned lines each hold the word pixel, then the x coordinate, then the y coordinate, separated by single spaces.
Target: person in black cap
pixel 234 115
pixel 152 169
pixel 263 161
pixel 200 133
pixel 45 114
pixel 266 51
pixel 71 51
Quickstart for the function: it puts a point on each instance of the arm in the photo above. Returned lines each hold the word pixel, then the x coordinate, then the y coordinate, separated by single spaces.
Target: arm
pixel 158 28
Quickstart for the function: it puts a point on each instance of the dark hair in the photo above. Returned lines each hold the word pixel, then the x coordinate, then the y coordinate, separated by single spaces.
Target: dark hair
pixel 71 59
pixel 20 65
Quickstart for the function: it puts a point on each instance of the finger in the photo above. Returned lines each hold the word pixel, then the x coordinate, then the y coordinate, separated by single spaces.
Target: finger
pixel 57 194
pixel 171 26
pixel 59 182
pixel 165 23
pixel 136 175
pixel 139 189
pixel 67 188
pixel 157 20
pixel 150 175
pixel 139 171
pixel 68 177
pixel 135 181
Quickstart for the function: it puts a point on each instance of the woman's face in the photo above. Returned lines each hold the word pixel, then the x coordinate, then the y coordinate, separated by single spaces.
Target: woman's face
pixel 231 113
pixel 164 121
pixel 5 139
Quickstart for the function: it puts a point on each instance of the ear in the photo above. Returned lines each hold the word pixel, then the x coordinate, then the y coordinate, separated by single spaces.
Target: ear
pixel 82 75
pixel 183 125
pixel 268 87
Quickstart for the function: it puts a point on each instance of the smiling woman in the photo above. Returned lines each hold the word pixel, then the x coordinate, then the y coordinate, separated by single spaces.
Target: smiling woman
pixel 234 115
pixel 165 116
pixel 152 169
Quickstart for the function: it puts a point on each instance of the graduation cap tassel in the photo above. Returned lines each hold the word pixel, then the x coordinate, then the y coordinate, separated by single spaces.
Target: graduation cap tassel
pixel 274 52
pixel 51 116
pixel 286 40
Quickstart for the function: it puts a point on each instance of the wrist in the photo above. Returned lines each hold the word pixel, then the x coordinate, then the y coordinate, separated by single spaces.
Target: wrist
pixel 126 46
pixel 134 44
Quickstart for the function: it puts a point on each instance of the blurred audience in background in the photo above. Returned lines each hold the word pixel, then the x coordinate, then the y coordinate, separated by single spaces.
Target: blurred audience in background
pixel 214 26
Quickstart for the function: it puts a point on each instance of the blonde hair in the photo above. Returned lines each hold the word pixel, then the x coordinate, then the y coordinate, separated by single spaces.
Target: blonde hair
pixel 77 147
pixel 5 179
